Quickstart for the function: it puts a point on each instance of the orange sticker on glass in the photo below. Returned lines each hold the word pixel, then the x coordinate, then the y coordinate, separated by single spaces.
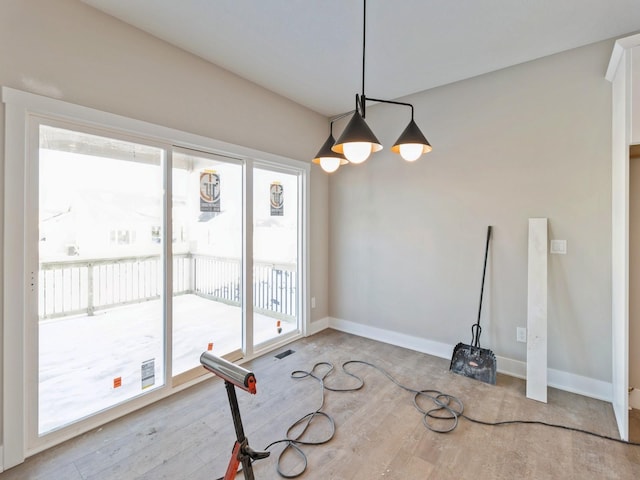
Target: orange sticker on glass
pixel 210 346
pixel 117 382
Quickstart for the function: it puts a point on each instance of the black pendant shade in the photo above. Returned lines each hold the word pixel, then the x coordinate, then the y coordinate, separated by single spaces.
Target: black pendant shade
pixel 413 135
pixel 327 158
pixel 357 130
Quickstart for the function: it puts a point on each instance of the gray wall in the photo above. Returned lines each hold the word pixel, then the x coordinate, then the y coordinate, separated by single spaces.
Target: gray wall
pixel 67 50
pixel 407 240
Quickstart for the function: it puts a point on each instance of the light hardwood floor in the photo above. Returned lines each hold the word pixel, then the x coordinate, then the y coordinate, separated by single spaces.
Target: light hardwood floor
pixel 379 434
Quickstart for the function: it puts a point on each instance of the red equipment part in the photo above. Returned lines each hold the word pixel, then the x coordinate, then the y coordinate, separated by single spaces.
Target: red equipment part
pixel 233 376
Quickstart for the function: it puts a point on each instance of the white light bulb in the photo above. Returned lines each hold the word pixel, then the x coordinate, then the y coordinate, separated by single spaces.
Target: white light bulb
pixel 329 164
pixel 411 151
pixel 357 152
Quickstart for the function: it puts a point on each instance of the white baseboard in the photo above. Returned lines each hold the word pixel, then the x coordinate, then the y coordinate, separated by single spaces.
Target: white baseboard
pixel 317 326
pixel 418 344
pixel 511 367
pixel 588 387
pixel 634 398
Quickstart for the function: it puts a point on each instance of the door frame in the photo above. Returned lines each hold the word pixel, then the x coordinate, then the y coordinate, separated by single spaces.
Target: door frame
pixel 301 263
pixel 621 74
pixel 31 258
pixel 20 281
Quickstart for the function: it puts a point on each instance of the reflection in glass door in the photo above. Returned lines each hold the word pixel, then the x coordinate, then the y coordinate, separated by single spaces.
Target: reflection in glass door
pixel 207 258
pixel 100 289
pixel 276 214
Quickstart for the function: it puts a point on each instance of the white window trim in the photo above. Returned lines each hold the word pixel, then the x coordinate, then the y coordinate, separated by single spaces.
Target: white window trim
pixel 19 106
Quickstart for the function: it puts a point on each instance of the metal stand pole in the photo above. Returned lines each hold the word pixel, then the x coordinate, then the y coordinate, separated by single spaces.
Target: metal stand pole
pixel 241 442
pixel 242 453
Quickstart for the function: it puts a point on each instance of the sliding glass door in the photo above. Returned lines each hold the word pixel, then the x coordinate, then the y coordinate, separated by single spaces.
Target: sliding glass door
pixel 276 246
pixel 207 258
pixel 100 290
pixel 142 255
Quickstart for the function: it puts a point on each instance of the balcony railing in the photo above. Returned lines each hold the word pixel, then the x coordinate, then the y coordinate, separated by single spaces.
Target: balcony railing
pixel 81 287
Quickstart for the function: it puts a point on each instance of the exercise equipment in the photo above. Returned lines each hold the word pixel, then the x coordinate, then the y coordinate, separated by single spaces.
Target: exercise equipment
pixel 235 376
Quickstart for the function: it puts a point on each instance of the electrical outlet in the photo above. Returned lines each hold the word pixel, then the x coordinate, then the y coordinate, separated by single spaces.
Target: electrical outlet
pixel 521 334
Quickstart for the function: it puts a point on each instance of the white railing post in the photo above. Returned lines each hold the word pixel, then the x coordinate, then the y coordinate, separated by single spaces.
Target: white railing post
pixel 90 303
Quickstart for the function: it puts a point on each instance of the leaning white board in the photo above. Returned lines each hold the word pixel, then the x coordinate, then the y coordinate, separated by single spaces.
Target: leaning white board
pixel 537 311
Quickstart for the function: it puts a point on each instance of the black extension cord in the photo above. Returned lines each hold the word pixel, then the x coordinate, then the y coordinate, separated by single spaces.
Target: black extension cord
pixel 441 418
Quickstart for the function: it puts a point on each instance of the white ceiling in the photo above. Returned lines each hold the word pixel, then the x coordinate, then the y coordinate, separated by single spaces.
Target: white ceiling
pixel 311 50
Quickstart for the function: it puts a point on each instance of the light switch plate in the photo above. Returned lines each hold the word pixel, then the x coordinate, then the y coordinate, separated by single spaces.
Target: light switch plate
pixel 521 335
pixel 559 247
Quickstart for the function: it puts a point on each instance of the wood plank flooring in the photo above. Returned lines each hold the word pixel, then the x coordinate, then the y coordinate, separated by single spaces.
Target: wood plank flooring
pixel 634 425
pixel 379 433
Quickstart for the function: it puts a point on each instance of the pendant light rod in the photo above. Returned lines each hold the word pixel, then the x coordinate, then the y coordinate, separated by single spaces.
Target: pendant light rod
pixel 392 102
pixel 364 42
pixel 338 117
pixel 362 100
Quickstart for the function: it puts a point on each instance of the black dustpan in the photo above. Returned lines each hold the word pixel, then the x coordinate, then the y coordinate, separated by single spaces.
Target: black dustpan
pixel 471 360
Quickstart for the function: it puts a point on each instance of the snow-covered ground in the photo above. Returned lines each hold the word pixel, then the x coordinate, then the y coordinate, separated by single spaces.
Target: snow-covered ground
pixel 82 357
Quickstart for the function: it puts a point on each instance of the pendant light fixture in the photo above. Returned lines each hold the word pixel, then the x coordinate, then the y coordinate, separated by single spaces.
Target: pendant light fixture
pixel 412 143
pixel 357 141
pixel 329 160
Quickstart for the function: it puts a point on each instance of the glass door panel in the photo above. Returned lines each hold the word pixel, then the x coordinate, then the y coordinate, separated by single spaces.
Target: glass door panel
pixel 275 254
pixel 207 258
pixel 100 310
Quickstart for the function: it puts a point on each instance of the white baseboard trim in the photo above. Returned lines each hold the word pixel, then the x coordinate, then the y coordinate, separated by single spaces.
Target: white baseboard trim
pixel 418 344
pixel 588 387
pixel 317 326
pixel 634 399
pixel 511 367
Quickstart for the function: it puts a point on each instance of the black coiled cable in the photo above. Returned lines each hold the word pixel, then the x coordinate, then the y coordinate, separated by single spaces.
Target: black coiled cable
pixel 293 443
pixel 442 417
pixel 446 408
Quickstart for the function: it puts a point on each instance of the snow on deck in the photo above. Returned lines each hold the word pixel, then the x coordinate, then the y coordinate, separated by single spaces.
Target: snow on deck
pixel 82 357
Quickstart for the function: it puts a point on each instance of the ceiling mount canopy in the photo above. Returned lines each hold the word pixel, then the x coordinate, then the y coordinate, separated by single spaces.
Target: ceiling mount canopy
pixel 358 141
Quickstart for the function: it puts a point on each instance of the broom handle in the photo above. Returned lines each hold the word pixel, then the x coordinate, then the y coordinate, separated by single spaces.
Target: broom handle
pixel 476 330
